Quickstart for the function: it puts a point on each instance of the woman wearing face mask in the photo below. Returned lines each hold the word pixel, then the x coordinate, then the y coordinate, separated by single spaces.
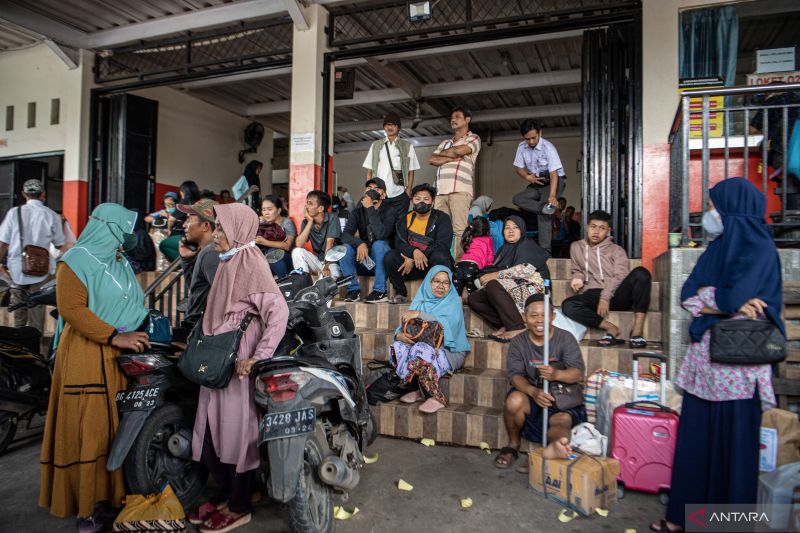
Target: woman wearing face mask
pixel 738 276
pixel 518 271
pixel 424 239
pixel 101 305
pixel 712 222
pixel 276 235
pixel 226 425
pixel 159 218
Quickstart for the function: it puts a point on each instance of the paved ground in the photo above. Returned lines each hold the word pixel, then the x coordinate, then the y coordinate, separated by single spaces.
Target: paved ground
pixel 441 476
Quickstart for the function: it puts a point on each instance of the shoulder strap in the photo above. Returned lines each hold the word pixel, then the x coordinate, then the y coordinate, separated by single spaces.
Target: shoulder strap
pixel 388 154
pixel 246 321
pixel 19 218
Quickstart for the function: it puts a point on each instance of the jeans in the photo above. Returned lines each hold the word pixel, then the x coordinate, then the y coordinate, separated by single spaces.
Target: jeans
pixel 350 267
pixel 394 259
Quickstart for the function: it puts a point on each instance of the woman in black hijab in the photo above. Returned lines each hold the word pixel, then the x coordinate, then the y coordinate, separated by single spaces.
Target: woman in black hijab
pixel 252 173
pixel 518 271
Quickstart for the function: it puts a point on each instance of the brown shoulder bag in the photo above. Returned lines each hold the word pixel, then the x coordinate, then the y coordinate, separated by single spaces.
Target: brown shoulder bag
pixel 35 259
pixel 431 333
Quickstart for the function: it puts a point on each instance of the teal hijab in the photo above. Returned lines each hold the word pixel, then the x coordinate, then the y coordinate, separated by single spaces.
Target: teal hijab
pixel 115 295
pixel 448 310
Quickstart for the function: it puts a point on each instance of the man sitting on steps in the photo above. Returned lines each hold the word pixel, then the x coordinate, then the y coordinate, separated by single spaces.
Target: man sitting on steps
pixel 525 403
pixel 603 281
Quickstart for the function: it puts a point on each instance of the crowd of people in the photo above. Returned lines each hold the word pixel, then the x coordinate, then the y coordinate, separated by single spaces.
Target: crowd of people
pixel 232 249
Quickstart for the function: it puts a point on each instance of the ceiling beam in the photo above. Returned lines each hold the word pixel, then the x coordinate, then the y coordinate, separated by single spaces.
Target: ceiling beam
pixel 70 56
pixel 461 48
pixel 233 78
pixel 47 27
pixel 440 90
pixel 193 20
pixel 489 115
pixel 418 142
pixel 296 12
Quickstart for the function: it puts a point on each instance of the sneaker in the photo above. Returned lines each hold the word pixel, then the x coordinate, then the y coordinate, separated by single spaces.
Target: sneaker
pixel 352 296
pixel 376 297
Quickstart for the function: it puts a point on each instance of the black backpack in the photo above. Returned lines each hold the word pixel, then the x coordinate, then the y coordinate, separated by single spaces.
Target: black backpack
pixel 383 384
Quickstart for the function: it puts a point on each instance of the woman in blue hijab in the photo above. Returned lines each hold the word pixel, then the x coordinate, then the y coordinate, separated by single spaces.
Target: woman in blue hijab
pixel 739 276
pixel 436 301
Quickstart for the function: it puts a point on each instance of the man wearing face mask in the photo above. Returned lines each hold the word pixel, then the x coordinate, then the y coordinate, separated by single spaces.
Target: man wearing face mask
pixel 394 161
pixel 373 221
pixel 423 239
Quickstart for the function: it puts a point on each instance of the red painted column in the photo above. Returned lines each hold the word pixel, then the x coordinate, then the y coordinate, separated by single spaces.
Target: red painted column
pixel 75 204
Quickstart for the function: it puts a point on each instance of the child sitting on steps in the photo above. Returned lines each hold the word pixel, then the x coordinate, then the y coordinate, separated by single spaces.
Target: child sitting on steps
pixel 478 253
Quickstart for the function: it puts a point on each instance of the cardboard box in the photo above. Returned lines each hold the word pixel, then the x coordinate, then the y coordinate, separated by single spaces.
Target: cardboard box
pixel 582 484
pixel 785 448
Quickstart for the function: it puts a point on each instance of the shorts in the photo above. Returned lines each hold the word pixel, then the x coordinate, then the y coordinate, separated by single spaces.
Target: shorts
pixel 532 430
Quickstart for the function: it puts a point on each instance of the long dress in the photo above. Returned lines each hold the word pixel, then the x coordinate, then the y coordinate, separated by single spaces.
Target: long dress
pixel 230 413
pixel 82 416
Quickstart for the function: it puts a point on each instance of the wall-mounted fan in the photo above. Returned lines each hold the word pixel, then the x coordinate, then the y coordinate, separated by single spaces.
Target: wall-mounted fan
pixel 253 135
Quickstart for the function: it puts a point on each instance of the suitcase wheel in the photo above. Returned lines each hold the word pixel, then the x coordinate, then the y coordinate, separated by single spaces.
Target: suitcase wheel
pixel 663 497
pixel 620 491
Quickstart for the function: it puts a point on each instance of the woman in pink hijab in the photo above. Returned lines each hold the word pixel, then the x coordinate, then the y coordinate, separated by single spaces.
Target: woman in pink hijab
pixel 226 426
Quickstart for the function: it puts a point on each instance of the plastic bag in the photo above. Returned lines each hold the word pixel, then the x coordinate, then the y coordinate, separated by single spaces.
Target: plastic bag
pixel 155 512
pixel 587 439
pixel 561 321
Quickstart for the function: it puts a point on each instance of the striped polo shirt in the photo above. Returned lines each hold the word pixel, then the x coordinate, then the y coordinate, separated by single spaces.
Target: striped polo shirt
pixel 458 175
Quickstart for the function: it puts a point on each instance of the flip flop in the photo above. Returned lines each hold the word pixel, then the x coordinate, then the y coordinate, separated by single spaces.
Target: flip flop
pixel 475 333
pixel 507 463
pixel 638 342
pixel 609 340
pixel 499 339
pixel 664 528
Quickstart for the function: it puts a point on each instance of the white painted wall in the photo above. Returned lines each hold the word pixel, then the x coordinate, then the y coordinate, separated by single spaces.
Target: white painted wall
pixel 496 176
pixel 36 75
pixel 199 141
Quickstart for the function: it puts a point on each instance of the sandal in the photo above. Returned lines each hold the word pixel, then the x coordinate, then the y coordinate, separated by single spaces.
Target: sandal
pixel 638 342
pixel 663 527
pixel 205 511
pixel 501 462
pixel 608 340
pixel 398 299
pixel 497 338
pixel 475 333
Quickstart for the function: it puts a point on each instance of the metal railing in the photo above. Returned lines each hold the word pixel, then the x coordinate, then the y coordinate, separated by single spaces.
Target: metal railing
pixel 167 291
pixel 732 134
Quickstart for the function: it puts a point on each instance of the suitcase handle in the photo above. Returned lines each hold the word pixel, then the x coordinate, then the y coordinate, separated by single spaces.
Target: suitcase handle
pixel 649 355
pixel 648 403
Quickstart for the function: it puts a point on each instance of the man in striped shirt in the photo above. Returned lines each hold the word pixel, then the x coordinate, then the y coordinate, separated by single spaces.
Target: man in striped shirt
pixel 456 159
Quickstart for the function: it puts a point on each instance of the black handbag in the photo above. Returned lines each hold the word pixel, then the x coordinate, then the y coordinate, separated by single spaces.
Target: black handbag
pixel 566 395
pixel 210 360
pixel 746 342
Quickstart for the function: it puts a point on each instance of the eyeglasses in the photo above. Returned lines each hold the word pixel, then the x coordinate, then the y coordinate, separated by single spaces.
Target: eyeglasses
pixel 444 283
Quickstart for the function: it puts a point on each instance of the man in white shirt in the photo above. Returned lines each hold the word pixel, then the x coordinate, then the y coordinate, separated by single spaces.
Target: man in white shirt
pixel 42 227
pixel 396 171
pixel 538 163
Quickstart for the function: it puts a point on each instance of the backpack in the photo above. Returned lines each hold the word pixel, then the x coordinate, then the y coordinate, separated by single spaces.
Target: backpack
pixel 383 383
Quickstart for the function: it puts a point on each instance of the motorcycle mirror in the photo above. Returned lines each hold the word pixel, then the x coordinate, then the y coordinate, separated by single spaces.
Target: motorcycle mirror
pixel 335 254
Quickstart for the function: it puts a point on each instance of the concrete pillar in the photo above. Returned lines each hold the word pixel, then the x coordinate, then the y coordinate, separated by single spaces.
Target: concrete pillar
pixel 76 149
pixel 305 144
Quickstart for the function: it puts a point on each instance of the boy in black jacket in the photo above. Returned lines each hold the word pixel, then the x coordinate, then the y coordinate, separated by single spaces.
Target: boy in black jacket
pixel 372 220
pixel 424 238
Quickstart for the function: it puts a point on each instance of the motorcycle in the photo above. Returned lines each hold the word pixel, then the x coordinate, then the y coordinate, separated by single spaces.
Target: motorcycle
pixel 153 443
pixel 315 422
pixel 25 374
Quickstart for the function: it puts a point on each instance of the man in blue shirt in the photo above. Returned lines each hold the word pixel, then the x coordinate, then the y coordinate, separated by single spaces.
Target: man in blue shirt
pixel 537 162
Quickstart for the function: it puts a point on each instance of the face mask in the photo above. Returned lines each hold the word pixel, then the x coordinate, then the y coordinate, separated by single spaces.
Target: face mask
pixel 422 207
pixel 227 256
pixel 170 210
pixel 712 224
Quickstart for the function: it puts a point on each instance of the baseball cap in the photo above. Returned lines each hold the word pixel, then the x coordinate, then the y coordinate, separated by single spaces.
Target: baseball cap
pixel 392 118
pixel 377 181
pixel 32 187
pixel 171 194
pixel 203 208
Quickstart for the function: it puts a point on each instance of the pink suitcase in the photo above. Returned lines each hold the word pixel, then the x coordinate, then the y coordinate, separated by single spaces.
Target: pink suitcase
pixel 644 436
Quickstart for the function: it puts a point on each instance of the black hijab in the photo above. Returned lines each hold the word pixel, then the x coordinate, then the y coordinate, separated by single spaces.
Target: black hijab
pixel 251 175
pixel 523 251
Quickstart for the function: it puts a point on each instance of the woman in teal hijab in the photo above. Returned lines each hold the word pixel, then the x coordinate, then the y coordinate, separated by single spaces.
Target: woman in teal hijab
pixel 101 304
pixel 435 301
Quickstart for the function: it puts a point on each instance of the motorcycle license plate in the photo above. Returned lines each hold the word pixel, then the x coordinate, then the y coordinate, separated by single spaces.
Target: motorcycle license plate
pixel 287 424
pixel 138 399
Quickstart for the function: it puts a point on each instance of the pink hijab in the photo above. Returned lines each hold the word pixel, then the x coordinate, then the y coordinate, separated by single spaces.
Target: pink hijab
pixel 247 272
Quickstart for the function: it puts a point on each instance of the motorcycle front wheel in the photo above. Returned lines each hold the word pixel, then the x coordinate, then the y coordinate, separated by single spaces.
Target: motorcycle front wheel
pixel 150 464
pixel 311 509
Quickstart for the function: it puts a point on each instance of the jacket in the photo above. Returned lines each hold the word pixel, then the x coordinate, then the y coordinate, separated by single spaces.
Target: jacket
pixel 440 230
pixel 371 224
pixel 603 266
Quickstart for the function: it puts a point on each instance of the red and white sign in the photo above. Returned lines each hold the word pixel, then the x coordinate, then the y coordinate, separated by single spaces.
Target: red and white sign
pixel 779 77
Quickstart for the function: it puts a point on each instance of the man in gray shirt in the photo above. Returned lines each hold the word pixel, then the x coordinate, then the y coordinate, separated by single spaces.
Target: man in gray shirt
pixel 199 231
pixel 525 403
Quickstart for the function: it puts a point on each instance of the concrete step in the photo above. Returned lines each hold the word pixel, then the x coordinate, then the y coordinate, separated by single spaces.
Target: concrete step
pixel 486 354
pixel 455 424
pixel 561 290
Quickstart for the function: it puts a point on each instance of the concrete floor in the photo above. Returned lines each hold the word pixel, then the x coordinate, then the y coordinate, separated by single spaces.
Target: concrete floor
pixel 441 476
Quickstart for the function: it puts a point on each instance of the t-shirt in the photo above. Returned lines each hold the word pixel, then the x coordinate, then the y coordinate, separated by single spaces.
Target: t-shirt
pixel 205 268
pixel 288 227
pixel 331 228
pixel 385 169
pixel 524 355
